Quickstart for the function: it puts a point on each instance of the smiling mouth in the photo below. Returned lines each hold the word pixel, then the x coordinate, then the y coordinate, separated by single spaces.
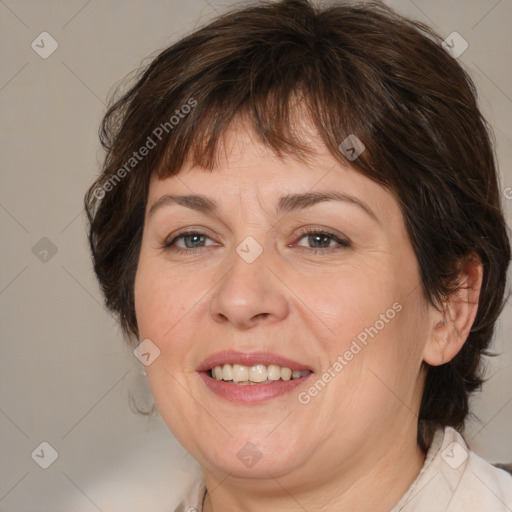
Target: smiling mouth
pixel 258 374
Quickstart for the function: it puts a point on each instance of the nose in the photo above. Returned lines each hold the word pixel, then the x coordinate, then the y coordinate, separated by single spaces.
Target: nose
pixel 249 293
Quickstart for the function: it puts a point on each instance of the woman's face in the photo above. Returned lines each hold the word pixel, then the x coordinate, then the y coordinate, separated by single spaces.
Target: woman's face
pixel 343 304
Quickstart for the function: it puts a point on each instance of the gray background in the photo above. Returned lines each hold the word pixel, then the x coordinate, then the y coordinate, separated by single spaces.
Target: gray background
pixel 65 373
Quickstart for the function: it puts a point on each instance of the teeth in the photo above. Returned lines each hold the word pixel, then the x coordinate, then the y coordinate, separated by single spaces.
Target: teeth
pixel 227 372
pixel 273 372
pixel 258 373
pixel 240 373
pixel 286 373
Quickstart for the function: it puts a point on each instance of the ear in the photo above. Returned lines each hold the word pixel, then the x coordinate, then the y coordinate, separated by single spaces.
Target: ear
pixel 451 326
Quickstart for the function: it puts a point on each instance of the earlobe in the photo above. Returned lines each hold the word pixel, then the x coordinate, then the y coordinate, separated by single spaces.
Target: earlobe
pixel 452 325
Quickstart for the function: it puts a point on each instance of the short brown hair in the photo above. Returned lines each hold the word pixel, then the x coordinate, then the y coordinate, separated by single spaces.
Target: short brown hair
pixel 356 69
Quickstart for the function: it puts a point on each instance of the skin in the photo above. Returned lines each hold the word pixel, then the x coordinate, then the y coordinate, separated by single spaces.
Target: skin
pixel 353 446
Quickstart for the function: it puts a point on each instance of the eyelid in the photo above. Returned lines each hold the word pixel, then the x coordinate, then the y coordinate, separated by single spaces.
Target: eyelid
pixel 342 241
pixel 169 244
pixel 191 230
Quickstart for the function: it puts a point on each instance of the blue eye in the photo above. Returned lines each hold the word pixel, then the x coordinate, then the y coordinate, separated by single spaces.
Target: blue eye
pixel 193 236
pixel 320 238
pixel 196 240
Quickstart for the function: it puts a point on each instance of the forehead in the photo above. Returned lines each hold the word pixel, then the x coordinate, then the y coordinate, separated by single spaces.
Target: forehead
pixel 243 161
pixel 247 170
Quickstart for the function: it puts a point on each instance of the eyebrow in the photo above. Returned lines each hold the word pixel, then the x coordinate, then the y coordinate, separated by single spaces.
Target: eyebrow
pixel 285 204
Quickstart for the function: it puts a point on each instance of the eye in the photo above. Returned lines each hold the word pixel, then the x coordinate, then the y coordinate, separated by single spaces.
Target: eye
pixel 321 240
pixel 192 240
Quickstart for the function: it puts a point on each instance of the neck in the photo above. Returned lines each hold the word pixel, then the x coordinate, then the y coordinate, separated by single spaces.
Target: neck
pixel 378 481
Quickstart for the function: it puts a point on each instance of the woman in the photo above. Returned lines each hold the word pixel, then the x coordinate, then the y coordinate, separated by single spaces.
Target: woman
pixel 299 220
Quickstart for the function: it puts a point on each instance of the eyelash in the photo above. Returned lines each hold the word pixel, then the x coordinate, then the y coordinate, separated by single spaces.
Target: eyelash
pixel 343 244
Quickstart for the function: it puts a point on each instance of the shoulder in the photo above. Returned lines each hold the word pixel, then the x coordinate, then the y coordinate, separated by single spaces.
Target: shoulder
pixel 193 501
pixel 454 477
pixel 472 483
pixel 484 486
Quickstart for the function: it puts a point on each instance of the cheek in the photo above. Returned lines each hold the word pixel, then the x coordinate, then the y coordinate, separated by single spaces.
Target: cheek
pixel 374 323
pixel 349 303
pixel 152 303
pixel 386 353
pixel 163 306
pixel 376 364
pixel 161 298
pixel 169 308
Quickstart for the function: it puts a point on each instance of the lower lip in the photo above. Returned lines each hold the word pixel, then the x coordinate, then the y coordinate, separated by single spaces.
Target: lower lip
pixel 253 393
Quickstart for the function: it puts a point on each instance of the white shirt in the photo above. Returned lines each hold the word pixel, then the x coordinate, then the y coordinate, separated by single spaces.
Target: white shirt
pixel 452 479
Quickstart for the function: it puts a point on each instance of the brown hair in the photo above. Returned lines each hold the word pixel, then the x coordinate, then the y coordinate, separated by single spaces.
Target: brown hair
pixel 356 69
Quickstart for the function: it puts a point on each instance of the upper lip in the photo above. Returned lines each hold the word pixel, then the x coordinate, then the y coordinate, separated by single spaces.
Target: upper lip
pixel 249 359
